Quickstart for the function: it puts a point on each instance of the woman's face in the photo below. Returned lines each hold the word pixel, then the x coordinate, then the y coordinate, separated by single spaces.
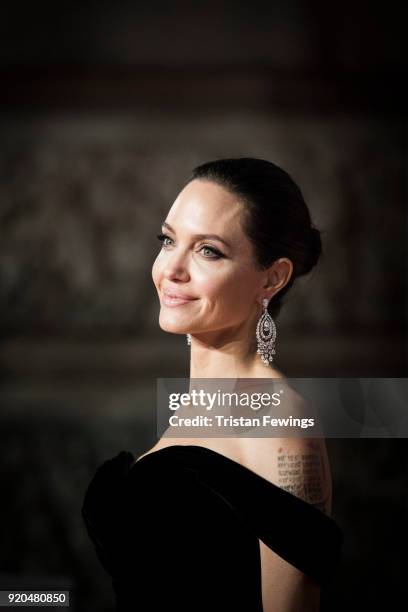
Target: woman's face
pixel 216 279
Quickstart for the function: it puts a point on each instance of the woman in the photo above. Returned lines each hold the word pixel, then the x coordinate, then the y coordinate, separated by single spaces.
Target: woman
pixel 223 523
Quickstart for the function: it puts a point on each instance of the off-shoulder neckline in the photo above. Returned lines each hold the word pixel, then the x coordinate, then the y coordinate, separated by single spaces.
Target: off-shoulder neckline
pixel 188 446
pixel 198 447
pixel 236 464
pixel 311 542
pixel 215 454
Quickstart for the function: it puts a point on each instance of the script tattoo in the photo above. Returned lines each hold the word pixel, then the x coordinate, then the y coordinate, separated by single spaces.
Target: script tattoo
pixel 303 475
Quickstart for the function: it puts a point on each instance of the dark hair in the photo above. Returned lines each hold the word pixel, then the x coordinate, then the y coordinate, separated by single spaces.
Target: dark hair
pixel 277 220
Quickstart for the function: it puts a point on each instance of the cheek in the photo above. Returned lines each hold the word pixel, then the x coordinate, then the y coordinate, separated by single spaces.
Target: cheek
pixel 234 293
pixel 156 271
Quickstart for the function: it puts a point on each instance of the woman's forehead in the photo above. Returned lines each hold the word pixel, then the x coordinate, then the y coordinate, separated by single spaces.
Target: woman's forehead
pixel 206 206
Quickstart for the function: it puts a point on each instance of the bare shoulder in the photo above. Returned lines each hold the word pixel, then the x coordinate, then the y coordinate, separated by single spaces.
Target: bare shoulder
pixel 297 465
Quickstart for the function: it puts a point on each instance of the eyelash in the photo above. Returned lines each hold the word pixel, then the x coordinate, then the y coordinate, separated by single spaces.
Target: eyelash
pixel 218 254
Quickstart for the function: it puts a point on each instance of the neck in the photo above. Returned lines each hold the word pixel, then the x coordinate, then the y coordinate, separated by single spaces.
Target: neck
pixel 218 355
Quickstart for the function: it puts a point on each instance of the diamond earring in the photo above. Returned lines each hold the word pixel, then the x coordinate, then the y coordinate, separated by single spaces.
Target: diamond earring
pixel 189 339
pixel 266 335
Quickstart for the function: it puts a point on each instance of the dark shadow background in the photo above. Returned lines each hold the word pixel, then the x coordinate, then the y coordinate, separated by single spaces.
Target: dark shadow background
pixel 104 110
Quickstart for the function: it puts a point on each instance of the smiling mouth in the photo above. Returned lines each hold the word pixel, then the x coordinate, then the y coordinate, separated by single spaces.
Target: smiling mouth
pixel 168 300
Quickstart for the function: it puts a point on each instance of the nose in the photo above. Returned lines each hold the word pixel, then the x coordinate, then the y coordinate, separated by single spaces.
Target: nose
pixel 175 268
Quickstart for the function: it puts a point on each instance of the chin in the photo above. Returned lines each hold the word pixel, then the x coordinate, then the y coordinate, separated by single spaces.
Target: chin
pixel 172 327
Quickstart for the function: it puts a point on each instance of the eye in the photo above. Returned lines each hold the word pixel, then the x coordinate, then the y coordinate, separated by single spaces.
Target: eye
pixel 162 238
pixel 215 254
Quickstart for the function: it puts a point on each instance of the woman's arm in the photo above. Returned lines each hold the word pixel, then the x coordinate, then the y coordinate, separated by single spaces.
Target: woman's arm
pixel 301 467
pixel 284 587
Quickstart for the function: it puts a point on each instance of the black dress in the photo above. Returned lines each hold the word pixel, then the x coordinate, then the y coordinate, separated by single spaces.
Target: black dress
pixel 178 530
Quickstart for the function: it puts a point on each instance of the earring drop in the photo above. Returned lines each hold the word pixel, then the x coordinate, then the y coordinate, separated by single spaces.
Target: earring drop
pixel 189 339
pixel 266 335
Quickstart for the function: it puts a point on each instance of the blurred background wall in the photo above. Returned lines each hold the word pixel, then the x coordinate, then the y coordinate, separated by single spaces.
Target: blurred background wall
pixel 104 110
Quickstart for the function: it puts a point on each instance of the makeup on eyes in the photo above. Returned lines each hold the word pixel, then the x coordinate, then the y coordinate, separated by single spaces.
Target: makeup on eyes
pixel 217 254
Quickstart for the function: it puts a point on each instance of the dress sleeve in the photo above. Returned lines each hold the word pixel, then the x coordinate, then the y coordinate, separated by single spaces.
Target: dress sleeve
pixel 301 534
pixel 297 531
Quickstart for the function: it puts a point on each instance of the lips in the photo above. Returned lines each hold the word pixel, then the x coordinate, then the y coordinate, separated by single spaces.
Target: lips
pixel 176 299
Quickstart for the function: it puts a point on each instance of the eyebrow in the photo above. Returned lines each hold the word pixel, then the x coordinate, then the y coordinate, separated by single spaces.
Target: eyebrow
pixel 201 236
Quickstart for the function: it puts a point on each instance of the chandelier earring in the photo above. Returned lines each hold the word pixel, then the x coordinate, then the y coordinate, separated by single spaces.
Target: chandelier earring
pixel 266 335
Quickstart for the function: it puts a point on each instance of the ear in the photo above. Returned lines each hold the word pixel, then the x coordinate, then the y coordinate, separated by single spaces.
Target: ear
pixel 276 277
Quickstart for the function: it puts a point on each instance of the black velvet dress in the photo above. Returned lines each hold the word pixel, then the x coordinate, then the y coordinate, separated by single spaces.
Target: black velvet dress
pixel 178 530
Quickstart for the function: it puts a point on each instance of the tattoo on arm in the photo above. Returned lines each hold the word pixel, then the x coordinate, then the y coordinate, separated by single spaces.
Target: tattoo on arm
pixel 303 475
